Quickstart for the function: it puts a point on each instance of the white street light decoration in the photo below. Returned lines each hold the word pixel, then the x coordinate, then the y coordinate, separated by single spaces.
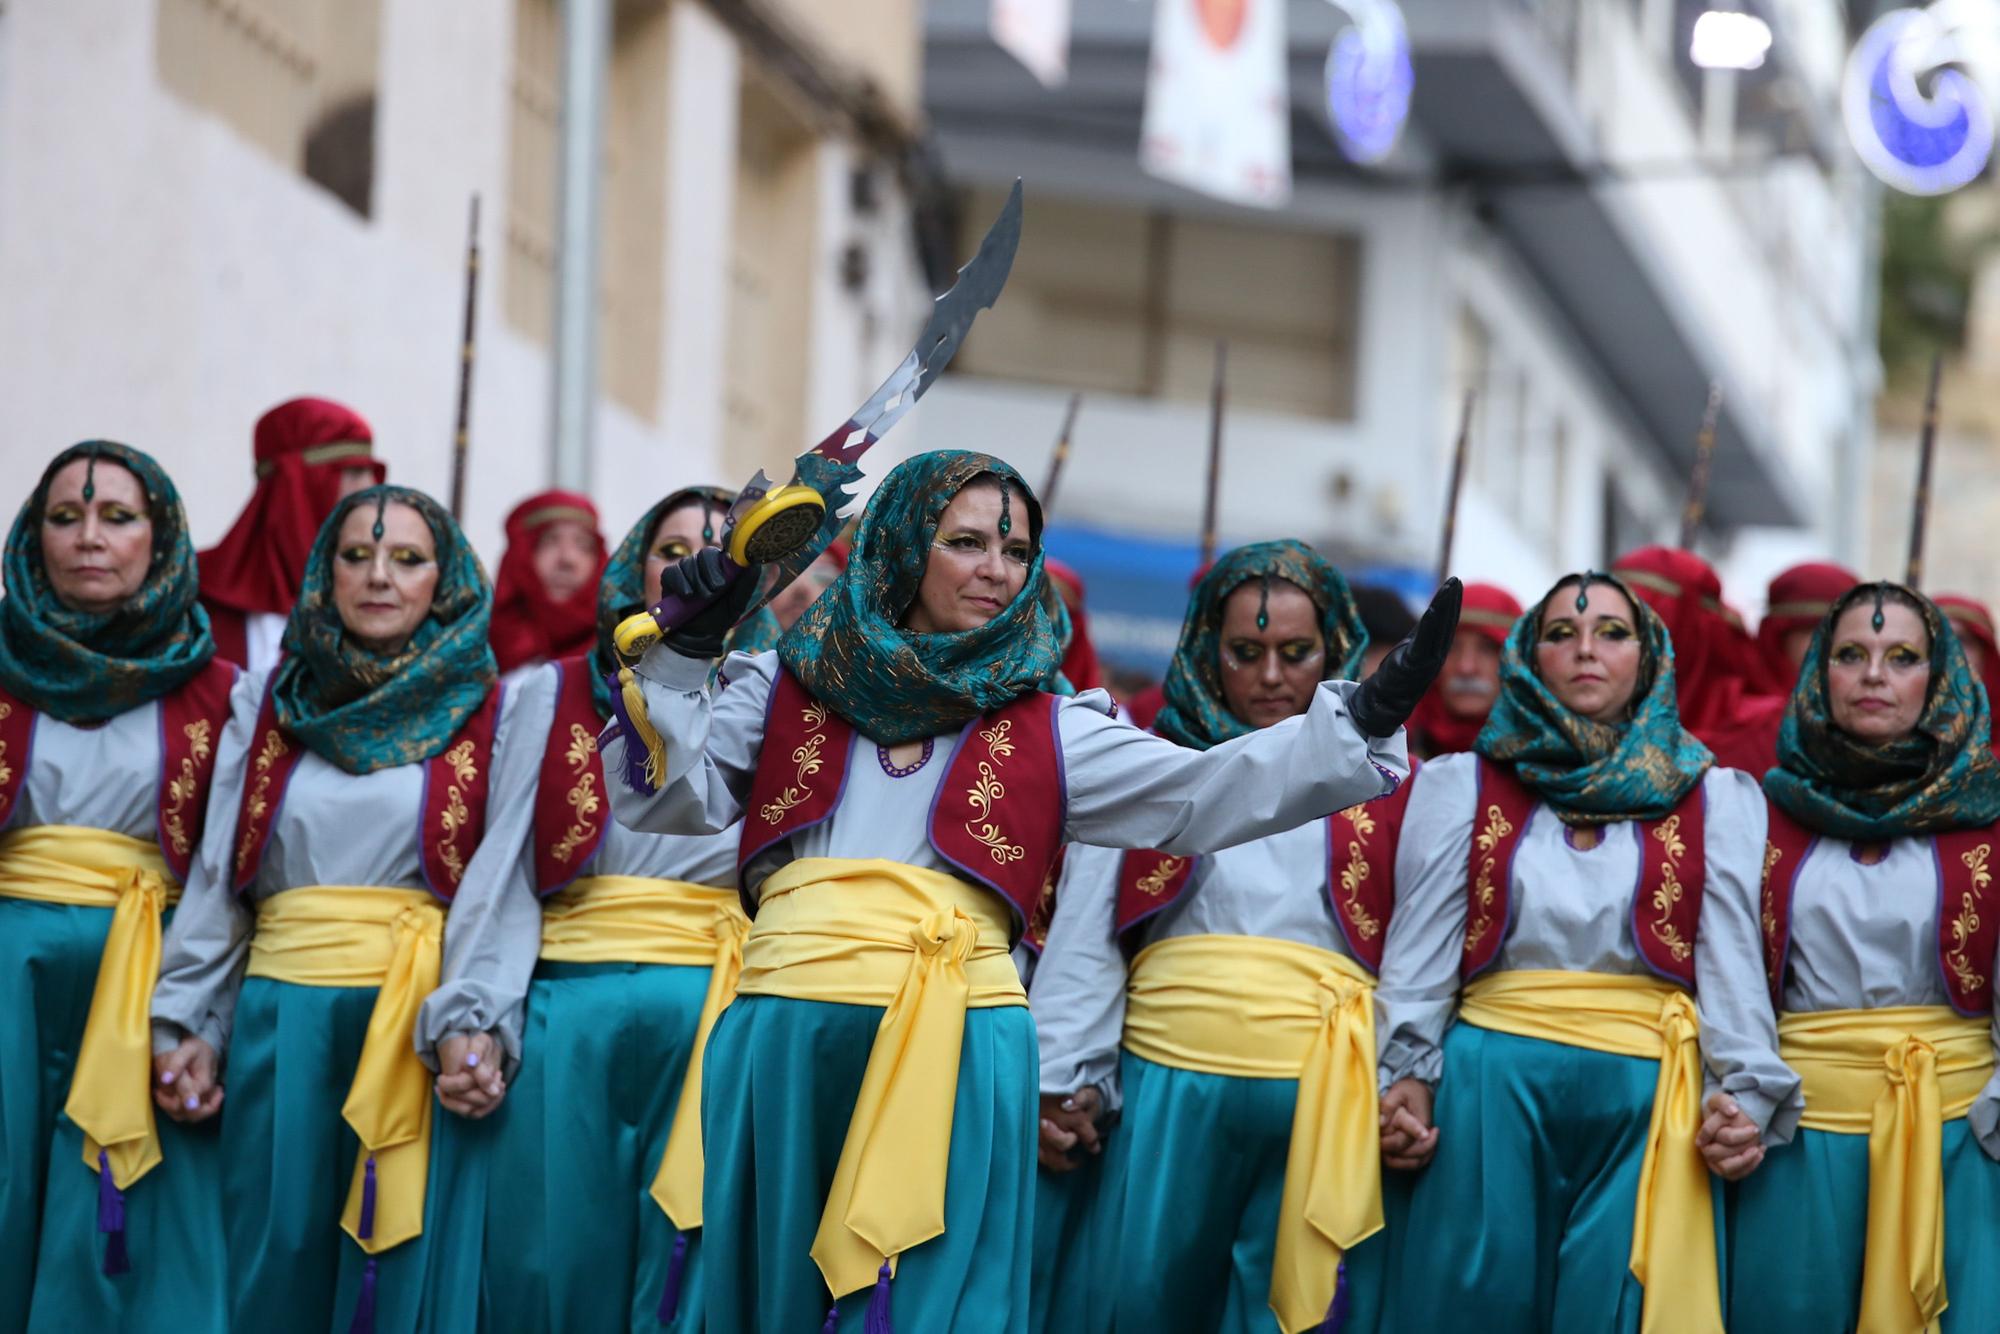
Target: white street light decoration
pixel 1912 97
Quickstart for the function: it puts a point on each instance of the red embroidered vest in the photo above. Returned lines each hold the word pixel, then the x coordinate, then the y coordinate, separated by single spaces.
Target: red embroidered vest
pixel 453 814
pixel 1360 877
pixel 570 806
pixel 1968 916
pixel 191 722
pixel 997 818
pixel 1666 907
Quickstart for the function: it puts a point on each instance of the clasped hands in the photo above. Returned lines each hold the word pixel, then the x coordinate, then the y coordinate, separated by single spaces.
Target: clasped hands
pixel 1729 1141
pixel 188 1088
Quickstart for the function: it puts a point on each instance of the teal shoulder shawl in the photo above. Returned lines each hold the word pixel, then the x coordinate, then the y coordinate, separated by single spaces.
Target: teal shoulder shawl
pixel 1194 713
pixel 85 668
pixel 364 710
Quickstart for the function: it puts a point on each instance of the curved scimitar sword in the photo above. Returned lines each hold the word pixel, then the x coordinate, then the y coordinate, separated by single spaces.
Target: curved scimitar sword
pixel 774 534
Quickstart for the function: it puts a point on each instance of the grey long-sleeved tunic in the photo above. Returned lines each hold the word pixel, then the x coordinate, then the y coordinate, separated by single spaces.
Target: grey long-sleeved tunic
pixel 1274 886
pixel 335 828
pixel 1866 937
pixel 1570 910
pixel 494 934
pixel 1124 787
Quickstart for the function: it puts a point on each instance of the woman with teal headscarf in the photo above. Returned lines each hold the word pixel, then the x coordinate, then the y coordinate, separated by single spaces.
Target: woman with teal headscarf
pixel 110 696
pixel 1576 901
pixel 1881 937
pixel 592 1220
pixel 869 1097
pixel 361 783
pixel 1225 1001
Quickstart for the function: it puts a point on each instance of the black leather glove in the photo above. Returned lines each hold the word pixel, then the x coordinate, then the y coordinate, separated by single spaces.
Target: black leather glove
pixel 707 573
pixel 1390 694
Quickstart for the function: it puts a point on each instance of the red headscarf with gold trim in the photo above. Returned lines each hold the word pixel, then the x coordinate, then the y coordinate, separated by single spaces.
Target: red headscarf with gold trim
pixel 1799 599
pixel 302 447
pixel 529 624
pixel 1716 669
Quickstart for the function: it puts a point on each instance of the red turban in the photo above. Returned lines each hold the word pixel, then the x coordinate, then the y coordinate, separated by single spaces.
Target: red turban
pixel 1974 622
pixel 529 625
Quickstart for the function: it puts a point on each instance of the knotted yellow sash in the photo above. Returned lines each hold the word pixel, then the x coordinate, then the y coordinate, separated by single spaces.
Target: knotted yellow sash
pixel 110 1091
pixel 1673 1227
pixel 926 946
pixel 1258 1008
pixel 360 936
pixel 631 919
pixel 1895 1075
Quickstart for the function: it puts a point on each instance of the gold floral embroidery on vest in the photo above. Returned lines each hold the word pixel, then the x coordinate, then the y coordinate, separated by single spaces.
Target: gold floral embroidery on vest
pixel 807 758
pixel 6 769
pixel 987 792
pixel 1768 900
pixel 456 814
pixel 1957 958
pixel 1355 872
pixel 180 789
pixel 1671 891
pixel 1497 827
pixel 583 799
pixel 268 754
pixel 1154 882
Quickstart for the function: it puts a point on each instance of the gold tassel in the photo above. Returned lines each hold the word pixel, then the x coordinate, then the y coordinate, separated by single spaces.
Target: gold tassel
pixel 643 730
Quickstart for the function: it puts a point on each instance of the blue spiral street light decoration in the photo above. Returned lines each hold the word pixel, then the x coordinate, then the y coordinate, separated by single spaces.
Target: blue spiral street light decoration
pixel 1368 80
pixel 1918 122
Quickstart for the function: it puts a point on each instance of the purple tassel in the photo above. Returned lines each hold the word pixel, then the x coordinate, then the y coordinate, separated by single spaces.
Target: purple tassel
pixel 832 1318
pixel 878 1305
pixel 368 1200
pixel 1343 1302
pixel 364 1305
pixel 670 1300
pixel 111 1218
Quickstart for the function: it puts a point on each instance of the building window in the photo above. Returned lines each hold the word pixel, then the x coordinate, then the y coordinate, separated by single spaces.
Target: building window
pixel 297 78
pixel 632 255
pixel 1133 302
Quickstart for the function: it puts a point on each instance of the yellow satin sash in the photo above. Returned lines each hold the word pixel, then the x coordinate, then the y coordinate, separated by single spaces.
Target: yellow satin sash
pixel 1895 1075
pixel 925 946
pixel 1258 1008
pixel 362 936
pixel 632 919
pixel 1673 1227
pixel 110 1092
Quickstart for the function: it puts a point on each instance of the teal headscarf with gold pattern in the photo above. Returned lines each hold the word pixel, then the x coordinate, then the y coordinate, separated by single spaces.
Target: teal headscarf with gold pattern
pixel 86 667
pixel 1592 772
pixel 364 710
pixel 622 592
pixel 1195 714
pixel 1941 776
pixel 850 649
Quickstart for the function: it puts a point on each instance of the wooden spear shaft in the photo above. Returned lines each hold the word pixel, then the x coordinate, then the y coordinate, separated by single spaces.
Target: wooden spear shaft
pixel 461 438
pixel 1458 453
pixel 1060 457
pixel 1913 573
pixel 1704 463
pixel 1214 491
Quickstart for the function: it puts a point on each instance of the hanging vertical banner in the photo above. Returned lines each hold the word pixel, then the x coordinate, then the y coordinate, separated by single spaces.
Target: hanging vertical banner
pixel 1036 33
pixel 1217 100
